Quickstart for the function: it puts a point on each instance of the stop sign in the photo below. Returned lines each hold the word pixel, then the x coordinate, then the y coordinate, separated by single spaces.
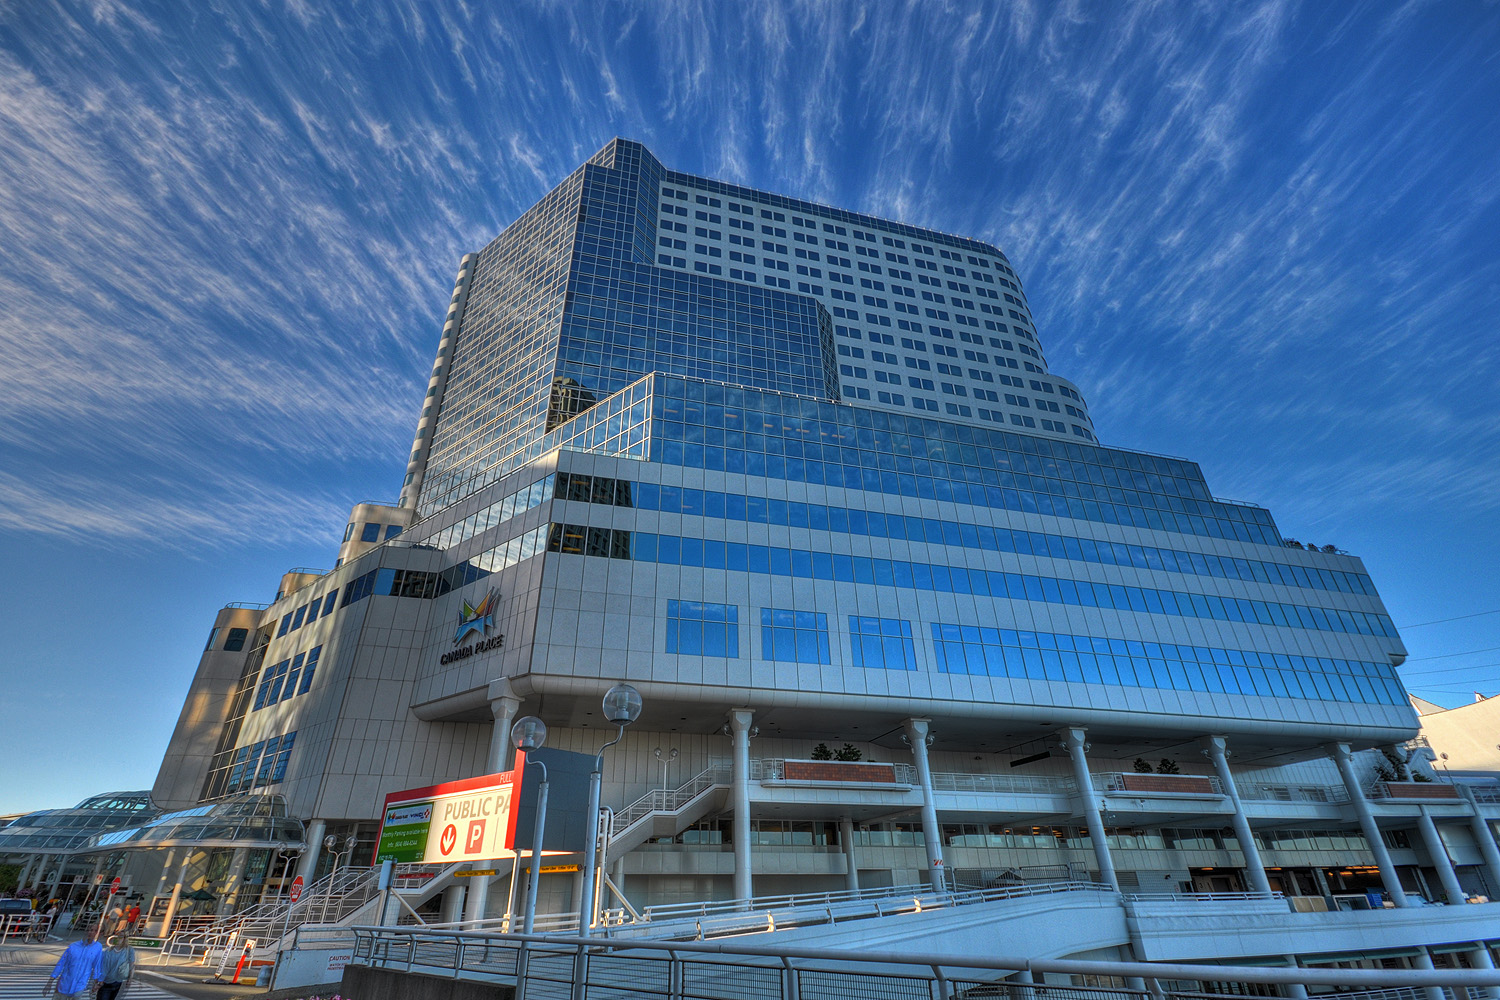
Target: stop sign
pixel 296 890
pixel 114 886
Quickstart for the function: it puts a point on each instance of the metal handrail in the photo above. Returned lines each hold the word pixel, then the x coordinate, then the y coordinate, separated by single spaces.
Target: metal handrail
pixel 663 800
pixel 1114 781
pixel 772 912
pixel 1270 792
pixel 1203 897
pixel 505 958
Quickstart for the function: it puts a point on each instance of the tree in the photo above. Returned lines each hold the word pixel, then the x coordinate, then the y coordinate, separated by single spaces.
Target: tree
pixel 848 752
pixel 10 877
pixel 821 752
pixel 1142 766
pixel 1168 766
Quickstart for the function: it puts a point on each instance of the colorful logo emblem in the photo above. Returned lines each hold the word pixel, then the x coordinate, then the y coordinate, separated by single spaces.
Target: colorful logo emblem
pixel 477 617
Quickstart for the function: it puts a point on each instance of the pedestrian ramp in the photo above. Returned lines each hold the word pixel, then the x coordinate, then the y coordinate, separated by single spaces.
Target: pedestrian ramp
pixel 30 982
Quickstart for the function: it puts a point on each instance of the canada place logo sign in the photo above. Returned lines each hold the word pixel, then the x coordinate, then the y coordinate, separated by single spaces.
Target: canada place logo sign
pixel 474 618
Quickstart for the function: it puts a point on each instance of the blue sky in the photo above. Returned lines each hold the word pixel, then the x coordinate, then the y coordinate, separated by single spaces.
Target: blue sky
pixel 1264 236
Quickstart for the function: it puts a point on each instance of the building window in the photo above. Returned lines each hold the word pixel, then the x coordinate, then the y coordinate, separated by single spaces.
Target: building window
pixel 392 530
pixel 794 636
pixel 698 628
pixel 236 640
pixel 370 532
pixel 212 637
pixel 882 642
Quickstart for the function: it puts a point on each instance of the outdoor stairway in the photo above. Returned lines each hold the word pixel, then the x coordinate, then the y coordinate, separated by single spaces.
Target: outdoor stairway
pixel 667 812
pixel 344 896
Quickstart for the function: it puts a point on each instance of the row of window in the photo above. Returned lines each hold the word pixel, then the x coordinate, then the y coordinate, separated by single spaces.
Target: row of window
pixel 828 227
pixel 308 613
pixel 811 833
pixel 698 628
pixel 777 560
pixel 876 524
pixel 290 677
pixel 254 766
pixel 370 531
pixel 738 429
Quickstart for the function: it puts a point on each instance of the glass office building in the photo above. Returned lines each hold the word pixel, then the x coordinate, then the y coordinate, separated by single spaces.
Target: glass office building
pixel 806 479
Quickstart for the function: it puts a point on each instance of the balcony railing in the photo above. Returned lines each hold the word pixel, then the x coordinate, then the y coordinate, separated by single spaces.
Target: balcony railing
pixel 1134 783
pixel 1262 792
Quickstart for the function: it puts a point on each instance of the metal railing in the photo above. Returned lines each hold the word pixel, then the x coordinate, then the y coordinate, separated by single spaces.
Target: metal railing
pixel 662 800
pixel 1268 792
pixel 337 896
pixel 1115 781
pixel 769 913
pixel 1005 784
pixel 1203 897
pixel 541 966
pixel 1485 793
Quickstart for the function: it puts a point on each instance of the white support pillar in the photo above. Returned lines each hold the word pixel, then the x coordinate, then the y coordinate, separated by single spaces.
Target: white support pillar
pixel 503 708
pixel 166 920
pixel 1074 740
pixel 309 863
pixel 739 729
pixel 1440 860
pixel 1344 758
pixel 232 881
pixel 1423 960
pixel 26 871
pixel 453 904
pixel 1255 871
pixel 41 871
pixel 478 899
pixel 1484 837
pixel 918 731
pixel 1480 958
pixel 1296 991
pixel 846 841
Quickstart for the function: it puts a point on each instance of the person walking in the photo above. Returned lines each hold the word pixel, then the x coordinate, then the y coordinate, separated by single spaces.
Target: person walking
pixel 116 967
pixel 78 969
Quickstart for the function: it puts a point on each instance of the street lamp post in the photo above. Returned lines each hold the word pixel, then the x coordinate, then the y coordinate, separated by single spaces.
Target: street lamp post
pixel 622 706
pixel 529 734
pixel 665 758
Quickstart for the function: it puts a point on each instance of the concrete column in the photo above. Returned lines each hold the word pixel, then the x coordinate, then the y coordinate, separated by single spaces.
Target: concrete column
pixel 1484 836
pixel 917 731
pixel 1423 960
pixel 1074 740
pixel 453 904
pixel 26 871
pixel 1480 958
pixel 503 707
pixel 1255 871
pixel 739 728
pixel 1344 758
pixel 1296 991
pixel 309 863
pixel 617 876
pixel 41 871
pixel 478 899
pixel 232 882
pixel 62 862
pixel 166 920
pixel 1440 860
pixel 846 841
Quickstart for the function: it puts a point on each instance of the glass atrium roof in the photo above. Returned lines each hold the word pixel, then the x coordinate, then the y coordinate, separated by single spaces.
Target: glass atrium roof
pixel 62 831
pixel 246 821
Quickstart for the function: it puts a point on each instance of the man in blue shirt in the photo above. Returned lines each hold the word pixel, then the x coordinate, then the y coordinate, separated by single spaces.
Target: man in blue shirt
pixel 78 969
